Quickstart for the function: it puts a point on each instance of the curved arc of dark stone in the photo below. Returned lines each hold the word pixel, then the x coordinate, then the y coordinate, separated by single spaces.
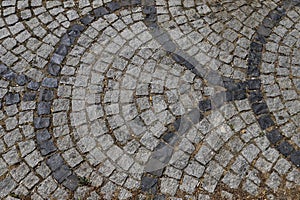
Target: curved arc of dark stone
pixel 61 171
pixel 258 104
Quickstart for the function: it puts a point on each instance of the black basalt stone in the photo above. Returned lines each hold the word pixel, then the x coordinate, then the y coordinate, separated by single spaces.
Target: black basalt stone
pixel 177 58
pixel 149 184
pixel 42 135
pixel 44 108
pixel 205 105
pixel 3 68
pixel 29 96
pixel 260 108
pixel 87 19
pixel 256 47
pixel 75 30
pixel 255 96
pixel 99 12
pixel 71 182
pixel 47 147
pixel 295 158
pixel 40 123
pixel 285 148
pixel 113 6
pixel 57 59
pixel 239 94
pixel 21 79
pixel 254 84
pixel 54 69
pixel 170 138
pixel 265 121
pixel 62 50
pixel 9 75
pixel 62 173
pixel 46 95
pixel 11 99
pixel 149 10
pixel 253 71
pixel 274 136
pixel 66 40
pixel 55 162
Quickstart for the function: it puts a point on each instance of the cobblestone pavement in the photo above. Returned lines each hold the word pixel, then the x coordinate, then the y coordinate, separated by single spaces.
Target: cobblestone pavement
pixel 145 99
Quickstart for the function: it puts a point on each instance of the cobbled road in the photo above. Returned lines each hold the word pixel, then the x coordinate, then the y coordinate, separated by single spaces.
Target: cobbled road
pixel 145 99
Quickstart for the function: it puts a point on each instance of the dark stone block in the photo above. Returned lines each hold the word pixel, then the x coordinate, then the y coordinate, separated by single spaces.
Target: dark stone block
pixel 57 59
pixel 170 138
pixel 42 135
pixel 188 65
pixel 62 173
pixel 11 99
pixel 254 84
pixel 184 126
pixel 75 30
pixel 196 72
pixel 255 96
pixel 50 82
pixel 54 69
pixel 46 95
pixel 256 47
pixel 177 58
pixel 149 10
pixel 29 96
pixel 33 85
pixel 205 105
pixel 229 84
pixel 260 108
pixel 265 121
pixel 3 68
pixel 267 22
pixel 87 19
pixel 149 184
pixel 40 123
pixel 285 148
pixel 21 80
pixel 55 162
pixel 66 40
pixel 71 182
pixel 47 147
pixel 254 57
pixel 135 2
pixel 275 16
pixel 264 31
pixel 274 136
pixel 9 75
pixel 62 50
pixel 151 18
pixel 259 38
pixel 239 94
pixel 157 173
pixel 253 71
pixel 229 96
pixel 44 108
pixel 99 12
pixel 113 6
pixel 295 158
pixel 0 105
